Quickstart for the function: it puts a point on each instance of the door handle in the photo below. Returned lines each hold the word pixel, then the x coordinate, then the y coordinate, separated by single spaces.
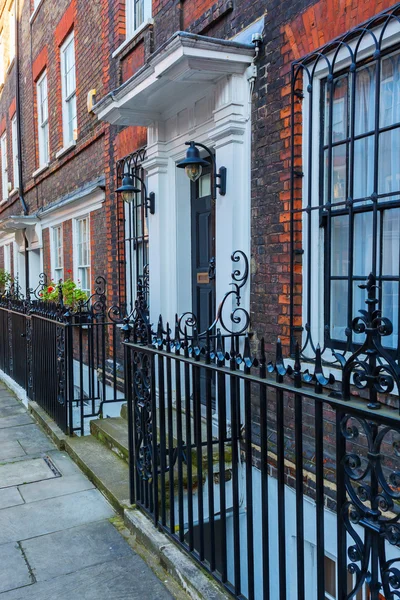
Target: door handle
pixel 211 268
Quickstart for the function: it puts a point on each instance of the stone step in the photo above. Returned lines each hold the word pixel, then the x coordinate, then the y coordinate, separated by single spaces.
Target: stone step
pixel 113 433
pixel 107 471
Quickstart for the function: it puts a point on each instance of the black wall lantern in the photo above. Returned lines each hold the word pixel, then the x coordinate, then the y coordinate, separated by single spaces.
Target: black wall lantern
pixel 128 191
pixel 193 165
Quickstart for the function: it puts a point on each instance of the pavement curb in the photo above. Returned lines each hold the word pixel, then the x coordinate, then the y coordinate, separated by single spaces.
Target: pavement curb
pixel 198 584
pixel 48 425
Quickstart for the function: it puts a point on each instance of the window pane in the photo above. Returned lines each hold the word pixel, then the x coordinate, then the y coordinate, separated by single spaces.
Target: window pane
pixel 390 91
pixel 390 242
pixel 205 185
pixel 338 187
pixel 330 577
pixel 363 172
pixel 365 100
pixel 139 12
pixel 363 243
pixel 338 309
pixel 139 223
pixel 389 163
pixel 340 244
pixel 390 309
pixel 339 109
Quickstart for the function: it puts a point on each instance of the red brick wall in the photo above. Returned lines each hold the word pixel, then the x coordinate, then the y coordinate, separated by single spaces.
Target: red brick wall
pixel 99 254
pixel 67 249
pixel 133 62
pixel 46 252
pixel 193 11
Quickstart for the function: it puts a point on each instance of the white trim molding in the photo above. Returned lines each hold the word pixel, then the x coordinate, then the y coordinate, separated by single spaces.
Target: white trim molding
pixel 183 66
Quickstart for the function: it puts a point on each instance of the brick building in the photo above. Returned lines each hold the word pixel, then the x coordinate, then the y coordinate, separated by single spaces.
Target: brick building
pixel 96 91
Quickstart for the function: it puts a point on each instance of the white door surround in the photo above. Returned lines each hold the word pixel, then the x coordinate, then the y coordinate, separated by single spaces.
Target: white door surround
pixel 194 88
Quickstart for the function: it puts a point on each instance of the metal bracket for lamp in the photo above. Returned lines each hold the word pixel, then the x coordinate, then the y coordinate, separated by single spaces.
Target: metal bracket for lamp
pixel 193 164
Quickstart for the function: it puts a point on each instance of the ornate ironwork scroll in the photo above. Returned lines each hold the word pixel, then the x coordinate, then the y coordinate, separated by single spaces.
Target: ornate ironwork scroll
pixel 239 319
pixel 371 367
pixel 61 383
pixel 372 482
pixel 137 320
pixel 143 415
pixel 29 354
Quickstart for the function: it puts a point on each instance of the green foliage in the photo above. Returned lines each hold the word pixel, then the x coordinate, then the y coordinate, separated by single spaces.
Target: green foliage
pixel 5 280
pixel 71 293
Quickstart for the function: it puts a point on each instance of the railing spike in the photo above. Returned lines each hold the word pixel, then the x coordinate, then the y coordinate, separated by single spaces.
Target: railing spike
pixel 297 366
pixel 263 360
pixel 186 342
pixel 207 348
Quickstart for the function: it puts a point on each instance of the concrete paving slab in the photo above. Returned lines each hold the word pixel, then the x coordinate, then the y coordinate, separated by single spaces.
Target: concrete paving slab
pixel 30 437
pixel 59 486
pixel 64 464
pixel 55 514
pixel 9 401
pixel 26 471
pixel 10 410
pixel 14 572
pixel 11 449
pixel 10 497
pixel 74 549
pixel 123 579
pixel 15 420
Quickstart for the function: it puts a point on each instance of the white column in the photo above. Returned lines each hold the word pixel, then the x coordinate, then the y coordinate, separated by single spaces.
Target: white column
pixel 161 228
pixel 231 138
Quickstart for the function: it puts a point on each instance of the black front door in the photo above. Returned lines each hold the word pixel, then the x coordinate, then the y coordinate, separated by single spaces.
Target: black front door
pixel 203 251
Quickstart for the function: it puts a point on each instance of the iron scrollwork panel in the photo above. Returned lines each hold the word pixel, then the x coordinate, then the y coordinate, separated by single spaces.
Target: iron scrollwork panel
pixel 372 483
pixel 60 339
pixel 143 415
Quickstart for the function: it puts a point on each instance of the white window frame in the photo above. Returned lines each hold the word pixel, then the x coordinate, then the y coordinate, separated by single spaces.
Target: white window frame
pixel 56 246
pixel 79 266
pixel 4 167
pixel 68 99
pixel 133 23
pixel 43 122
pixel 366 49
pixel 11 32
pixel 14 129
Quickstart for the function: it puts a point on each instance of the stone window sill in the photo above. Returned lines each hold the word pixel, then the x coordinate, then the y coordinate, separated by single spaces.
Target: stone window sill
pixel 66 149
pixel 40 170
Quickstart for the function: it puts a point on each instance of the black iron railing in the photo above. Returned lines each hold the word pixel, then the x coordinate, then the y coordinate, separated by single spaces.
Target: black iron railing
pixel 289 469
pixel 65 357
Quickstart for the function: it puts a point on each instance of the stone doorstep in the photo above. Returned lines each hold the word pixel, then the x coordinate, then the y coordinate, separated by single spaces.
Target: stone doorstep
pixel 113 432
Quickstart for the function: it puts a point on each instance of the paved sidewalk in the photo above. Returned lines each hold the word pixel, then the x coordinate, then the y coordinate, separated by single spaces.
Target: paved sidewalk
pixel 56 540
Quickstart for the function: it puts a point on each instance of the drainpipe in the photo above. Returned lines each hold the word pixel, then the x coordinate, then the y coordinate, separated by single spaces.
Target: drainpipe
pixel 19 139
pixel 18 109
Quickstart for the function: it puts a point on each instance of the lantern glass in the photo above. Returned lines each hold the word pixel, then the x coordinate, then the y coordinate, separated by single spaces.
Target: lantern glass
pixel 128 197
pixel 194 171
